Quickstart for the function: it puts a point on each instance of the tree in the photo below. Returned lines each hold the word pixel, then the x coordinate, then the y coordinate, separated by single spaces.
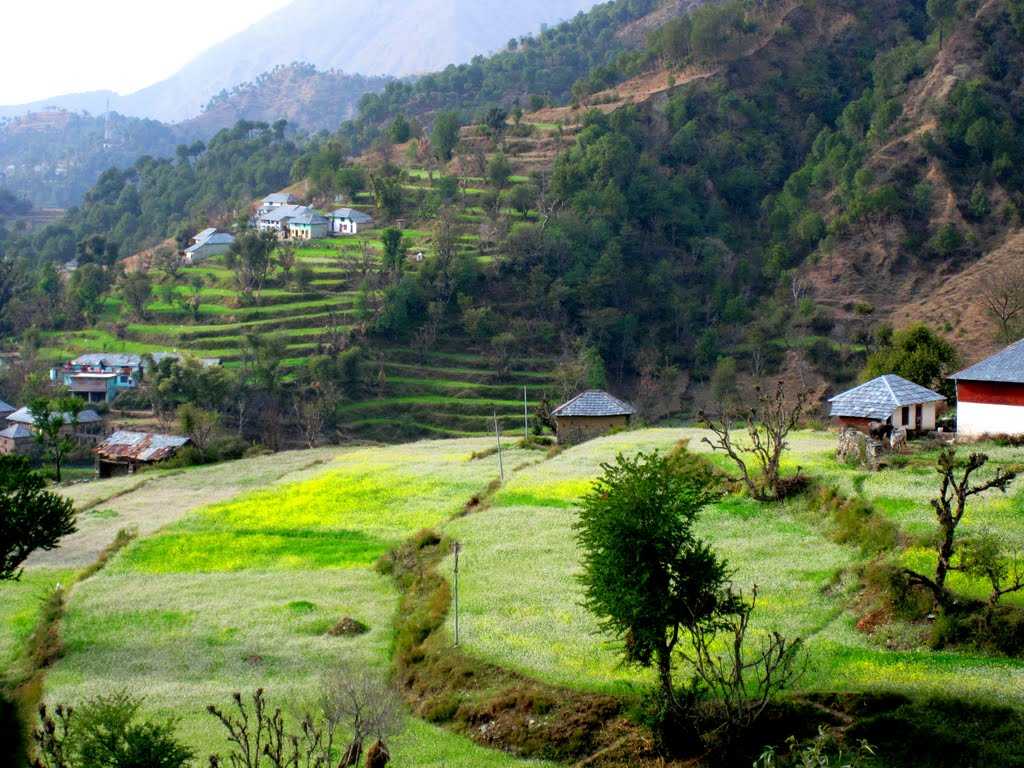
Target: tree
pixel 941 11
pixel 286 260
pixel 31 517
pixel 168 261
pixel 646 576
pixel 351 180
pixel 767 425
pixel 198 425
pixel 394 250
pixel 250 258
pixel 1002 293
pixel 86 288
pixel 445 135
pixel 388 193
pixel 522 198
pixel 137 290
pixel 499 170
pixel 916 353
pixel 399 131
pixel 955 491
pixel 55 422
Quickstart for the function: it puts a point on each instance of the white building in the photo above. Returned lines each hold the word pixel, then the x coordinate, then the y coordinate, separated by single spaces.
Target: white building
pixel 277 219
pixel 888 399
pixel 348 221
pixel 208 243
pixel 990 395
pixel 277 200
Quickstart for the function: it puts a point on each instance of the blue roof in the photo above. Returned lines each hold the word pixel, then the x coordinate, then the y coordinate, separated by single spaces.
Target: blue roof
pixel 594 402
pixel 5 408
pixel 352 215
pixel 308 219
pixel 878 398
pixel 1005 367
pixel 17 432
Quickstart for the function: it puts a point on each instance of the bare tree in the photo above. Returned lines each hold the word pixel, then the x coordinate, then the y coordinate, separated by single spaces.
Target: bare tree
pixel 950 507
pixel 742 682
pixel 311 415
pixel 1003 297
pixel 364 704
pixel 767 426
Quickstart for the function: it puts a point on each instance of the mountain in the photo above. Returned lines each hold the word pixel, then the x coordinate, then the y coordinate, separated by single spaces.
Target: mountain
pixel 369 37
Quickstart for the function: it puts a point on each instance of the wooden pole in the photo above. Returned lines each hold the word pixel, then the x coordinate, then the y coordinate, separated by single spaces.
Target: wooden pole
pixel 497 436
pixel 456 551
pixel 526 417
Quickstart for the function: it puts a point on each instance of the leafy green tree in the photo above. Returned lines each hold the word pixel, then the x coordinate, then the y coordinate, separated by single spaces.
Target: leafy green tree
pixel 31 517
pixel 445 135
pixel 399 131
pixel 521 198
pixel 351 180
pixel 137 290
pixel 499 170
pixel 86 289
pixel 646 575
pixel 55 422
pixel 394 250
pixel 250 258
pixel 388 193
pixel 916 353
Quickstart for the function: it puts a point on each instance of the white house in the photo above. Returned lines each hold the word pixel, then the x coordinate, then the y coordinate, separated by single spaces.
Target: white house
pixel 278 218
pixel 990 395
pixel 277 200
pixel 888 399
pixel 348 221
pixel 208 243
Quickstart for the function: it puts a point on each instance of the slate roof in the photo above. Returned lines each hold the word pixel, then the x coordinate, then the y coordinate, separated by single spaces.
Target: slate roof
pixel 105 360
pixel 284 212
pixel 5 408
pixel 216 238
pixel 878 398
pixel 309 218
pixel 1006 367
pixel 352 215
pixel 17 432
pixel 24 416
pixel 278 197
pixel 204 234
pixel 140 446
pixel 594 402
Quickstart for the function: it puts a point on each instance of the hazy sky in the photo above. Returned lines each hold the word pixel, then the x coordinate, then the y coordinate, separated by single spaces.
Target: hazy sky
pixel 68 46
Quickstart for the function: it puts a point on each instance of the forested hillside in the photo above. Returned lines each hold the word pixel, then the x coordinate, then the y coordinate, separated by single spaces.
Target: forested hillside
pixel 661 197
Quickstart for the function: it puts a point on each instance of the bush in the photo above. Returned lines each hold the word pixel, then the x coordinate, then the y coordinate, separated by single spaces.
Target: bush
pixel 856 521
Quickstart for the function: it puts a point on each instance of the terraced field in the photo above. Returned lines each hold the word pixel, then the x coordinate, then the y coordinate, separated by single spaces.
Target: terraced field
pixel 451 389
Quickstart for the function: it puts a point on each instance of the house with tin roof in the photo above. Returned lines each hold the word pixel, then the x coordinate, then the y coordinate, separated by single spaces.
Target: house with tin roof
pixel 589 415
pixel 990 395
pixel 308 226
pixel 277 200
pixel 208 243
pixel 890 400
pixel 125 453
pixel 278 219
pixel 348 221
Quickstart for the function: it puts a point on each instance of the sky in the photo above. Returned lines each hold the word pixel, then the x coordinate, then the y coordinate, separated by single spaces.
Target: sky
pixel 70 46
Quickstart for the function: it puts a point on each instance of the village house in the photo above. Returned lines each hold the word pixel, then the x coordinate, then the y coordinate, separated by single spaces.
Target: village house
pixel 348 221
pixel 208 243
pixel 87 429
pixel 309 226
pixel 18 440
pixel 125 453
pixel 990 395
pixel 277 200
pixel 890 400
pixel 100 377
pixel 278 219
pixel 589 415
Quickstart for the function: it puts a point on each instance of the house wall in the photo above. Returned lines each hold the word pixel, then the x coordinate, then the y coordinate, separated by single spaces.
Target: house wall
pixel 928 417
pixel 24 447
pixel 579 429
pixel 989 408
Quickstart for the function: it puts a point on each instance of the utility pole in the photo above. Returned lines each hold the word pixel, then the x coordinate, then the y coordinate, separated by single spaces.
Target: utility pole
pixel 456 551
pixel 526 417
pixel 497 436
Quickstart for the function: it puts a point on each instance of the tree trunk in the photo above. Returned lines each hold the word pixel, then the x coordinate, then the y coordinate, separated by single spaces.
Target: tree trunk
pixel 665 675
pixel 945 555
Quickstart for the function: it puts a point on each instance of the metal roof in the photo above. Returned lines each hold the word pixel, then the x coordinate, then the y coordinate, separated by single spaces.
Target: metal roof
pixel 17 432
pixel 352 215
pixel 5 408
pixel 107 360
pixel 878 398
pixel 204 234
pixel 24 416
pixel 278 197
pixel 1006 367
pixel 309 218
pixel 140 446
pixel 594 402
pixel 216 238
pixel 284 212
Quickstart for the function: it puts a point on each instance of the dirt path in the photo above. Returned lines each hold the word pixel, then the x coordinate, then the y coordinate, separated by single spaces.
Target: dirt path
pixel 150 501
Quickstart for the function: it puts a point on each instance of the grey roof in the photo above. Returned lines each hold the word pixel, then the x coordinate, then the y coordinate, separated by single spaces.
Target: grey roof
pixel 106 360
pixel 878 398
pixel 17 432
pixel 284 212
pixel 1006 367
pixel 217 238
pixel 24 416
pixel 205 234
pixel 594 402
pixel 140 446
pixel 278 197
pixel 5 408
pixel 352 215
pixel 309 218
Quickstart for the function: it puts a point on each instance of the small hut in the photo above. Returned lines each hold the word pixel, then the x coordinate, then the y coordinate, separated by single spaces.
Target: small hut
pixel 888 400
pixel 124 453
pixel 589 415
pixel 18 440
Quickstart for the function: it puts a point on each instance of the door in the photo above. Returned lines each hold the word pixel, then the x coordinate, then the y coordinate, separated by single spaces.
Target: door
pixel 919 418
pixel 905 417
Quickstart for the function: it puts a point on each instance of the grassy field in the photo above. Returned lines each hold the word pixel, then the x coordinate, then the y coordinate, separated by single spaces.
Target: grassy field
pixel 241 594
pixel 521 602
